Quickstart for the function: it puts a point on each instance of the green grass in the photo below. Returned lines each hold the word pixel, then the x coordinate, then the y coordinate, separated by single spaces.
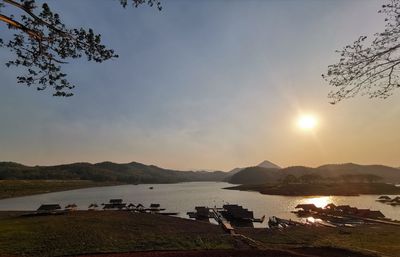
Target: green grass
pixel 15 188
pixel 381 239
pixel 83 232
pixel 105 231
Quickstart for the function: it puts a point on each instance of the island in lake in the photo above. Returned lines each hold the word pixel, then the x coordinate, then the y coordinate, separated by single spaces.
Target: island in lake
pixel 321 189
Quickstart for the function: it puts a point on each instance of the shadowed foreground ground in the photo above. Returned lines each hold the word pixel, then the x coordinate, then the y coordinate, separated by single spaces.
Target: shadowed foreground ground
pixel 239 253
pixel 124 234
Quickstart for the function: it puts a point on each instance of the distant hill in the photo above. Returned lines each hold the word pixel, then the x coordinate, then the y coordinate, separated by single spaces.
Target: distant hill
pixel 235 170
pixel 254 175
pixel 259 175
pixel 265 164
pixel 268 165
pixel 133 172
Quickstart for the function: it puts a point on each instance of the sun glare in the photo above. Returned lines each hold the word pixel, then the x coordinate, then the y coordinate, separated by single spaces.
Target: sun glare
pixel 307 122
pixel 319 201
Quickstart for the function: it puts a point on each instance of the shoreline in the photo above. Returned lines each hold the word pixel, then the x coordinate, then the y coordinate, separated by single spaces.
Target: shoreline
pixel 332 189
pixel 125 234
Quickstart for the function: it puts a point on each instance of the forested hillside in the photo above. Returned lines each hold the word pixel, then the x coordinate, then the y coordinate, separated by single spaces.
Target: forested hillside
pixel 133 172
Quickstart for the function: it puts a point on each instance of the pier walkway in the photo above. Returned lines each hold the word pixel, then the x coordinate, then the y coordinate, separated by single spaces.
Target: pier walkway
pixel 222 221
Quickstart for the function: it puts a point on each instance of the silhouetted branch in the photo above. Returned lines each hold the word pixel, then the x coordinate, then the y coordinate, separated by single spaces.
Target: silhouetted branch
pixel 371 69
pixel 44 43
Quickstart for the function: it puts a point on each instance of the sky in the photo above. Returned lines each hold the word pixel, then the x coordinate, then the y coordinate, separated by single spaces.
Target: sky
pixel 204 85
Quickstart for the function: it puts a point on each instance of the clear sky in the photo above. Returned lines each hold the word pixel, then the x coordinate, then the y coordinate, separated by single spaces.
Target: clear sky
pixel 204 85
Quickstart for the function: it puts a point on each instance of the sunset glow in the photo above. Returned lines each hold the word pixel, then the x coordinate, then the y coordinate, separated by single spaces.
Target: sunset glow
pixel 319 201
pixel 307 122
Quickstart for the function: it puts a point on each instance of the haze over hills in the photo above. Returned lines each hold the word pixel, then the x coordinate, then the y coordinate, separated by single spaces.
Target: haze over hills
pixel 259 175
pixel 133 172
pixel 265 164
pixel 268 165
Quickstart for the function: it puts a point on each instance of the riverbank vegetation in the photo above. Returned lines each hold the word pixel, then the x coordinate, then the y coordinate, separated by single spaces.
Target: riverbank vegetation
pixel 320 189
pixel 132 172
pixel 331 173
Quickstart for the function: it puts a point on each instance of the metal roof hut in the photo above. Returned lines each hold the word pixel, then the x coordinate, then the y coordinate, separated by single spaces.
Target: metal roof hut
pixel 202 212
pixel 154 205
pixel 307 207
pixel 48 208
pixel 367 213
pixel 115 201
pixel 330 206
pixel 396 199
pixel 93 206
pixel 238 212
pixel 71 207
pixel 376 215
pixel 237 215
pixel 115 204
pixel 347 209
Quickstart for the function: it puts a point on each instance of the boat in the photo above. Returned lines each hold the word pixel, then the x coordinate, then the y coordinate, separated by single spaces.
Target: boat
pixel 275 222
pixel 234 214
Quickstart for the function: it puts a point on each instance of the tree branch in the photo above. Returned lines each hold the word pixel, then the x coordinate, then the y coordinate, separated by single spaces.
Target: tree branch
pixel 17 25
pixel 34 16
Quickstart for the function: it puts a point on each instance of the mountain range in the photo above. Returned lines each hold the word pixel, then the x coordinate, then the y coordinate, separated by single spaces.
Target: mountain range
pixel 134 172
pixel 265 164
pixel 260 175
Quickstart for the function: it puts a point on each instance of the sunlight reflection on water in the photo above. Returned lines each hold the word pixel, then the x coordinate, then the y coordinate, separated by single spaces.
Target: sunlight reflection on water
pixel 320 201
pixel 183 197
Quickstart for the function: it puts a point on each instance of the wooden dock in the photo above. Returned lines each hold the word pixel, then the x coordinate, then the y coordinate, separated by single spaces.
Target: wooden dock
pixel 222 221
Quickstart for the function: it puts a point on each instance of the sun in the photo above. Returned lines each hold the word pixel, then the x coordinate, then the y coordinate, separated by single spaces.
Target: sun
pixel 307 122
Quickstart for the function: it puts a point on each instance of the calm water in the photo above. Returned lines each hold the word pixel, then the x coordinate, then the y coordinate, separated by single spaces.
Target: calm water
pixel 183 197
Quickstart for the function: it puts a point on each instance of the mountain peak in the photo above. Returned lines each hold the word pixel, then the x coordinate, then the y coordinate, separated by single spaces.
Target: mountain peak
pixel 268 165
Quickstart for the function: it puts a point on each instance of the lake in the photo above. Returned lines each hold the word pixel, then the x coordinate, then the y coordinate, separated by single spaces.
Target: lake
pixel 183 197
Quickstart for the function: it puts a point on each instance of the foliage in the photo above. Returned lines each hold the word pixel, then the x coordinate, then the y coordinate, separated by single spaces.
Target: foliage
pixel 322 189
pixel 310 178
pixel 369 178
pixel 331 173
pixel 106 171
pixel 289 179
pixel 369 68
pixel 43 43
pixel 137 3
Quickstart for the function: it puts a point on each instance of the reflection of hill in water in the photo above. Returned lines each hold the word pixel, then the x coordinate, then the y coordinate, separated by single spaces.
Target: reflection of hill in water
pixel 183 197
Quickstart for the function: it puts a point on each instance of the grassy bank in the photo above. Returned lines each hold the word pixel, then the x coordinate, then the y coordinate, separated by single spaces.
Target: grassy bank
pixel 105 231
pixel 340 189
pixel 15 188
pixel 380 239
pixel 85 232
